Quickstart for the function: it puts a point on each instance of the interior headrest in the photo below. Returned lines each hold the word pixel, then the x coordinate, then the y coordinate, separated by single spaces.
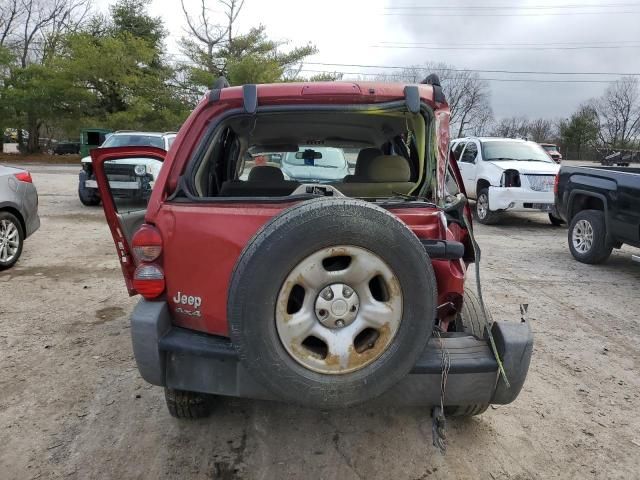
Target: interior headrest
pixel 265 173
pixel 365 156
pixel 387 168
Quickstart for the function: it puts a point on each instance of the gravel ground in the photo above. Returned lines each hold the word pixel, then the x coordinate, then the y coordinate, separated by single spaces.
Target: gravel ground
pixel 72 404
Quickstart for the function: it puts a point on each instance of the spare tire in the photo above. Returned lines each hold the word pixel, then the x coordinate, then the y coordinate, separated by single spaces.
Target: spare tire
pixel 331 302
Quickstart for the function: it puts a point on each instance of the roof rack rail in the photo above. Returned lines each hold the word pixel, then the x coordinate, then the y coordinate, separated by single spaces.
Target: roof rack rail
pixel 218 85
pixel 434 80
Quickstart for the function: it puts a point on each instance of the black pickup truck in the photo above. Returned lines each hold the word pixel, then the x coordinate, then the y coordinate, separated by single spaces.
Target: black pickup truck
pixel 602 207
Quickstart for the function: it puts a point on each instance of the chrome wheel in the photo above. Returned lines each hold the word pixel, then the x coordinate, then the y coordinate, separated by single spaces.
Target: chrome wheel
pixel 339 310
pixel 582 236
pixel 482 206
pixel 9 241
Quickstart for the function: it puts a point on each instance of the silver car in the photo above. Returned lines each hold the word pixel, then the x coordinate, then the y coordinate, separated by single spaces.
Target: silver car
pixel 18 213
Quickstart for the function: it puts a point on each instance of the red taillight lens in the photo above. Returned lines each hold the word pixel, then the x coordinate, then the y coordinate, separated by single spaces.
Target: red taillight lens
pixel 148 280
pixel 556 183
pixel 24 177
pixel 147 243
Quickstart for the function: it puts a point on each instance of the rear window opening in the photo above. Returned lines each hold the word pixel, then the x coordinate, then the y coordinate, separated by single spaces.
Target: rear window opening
pixel 365 154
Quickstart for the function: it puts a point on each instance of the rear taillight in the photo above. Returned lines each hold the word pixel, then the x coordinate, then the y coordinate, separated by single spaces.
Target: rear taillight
pixel 24 177
pixel 148 279
pixel 147 243
pixel 556 183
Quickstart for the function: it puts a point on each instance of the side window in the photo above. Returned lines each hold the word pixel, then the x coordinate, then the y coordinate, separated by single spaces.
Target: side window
pixel 457 150
pixel 470 153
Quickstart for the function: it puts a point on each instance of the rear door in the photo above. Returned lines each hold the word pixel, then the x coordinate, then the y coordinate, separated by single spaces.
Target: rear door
pixel 124 211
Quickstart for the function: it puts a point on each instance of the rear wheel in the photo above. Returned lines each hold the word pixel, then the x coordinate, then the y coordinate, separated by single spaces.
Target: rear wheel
pixel 11 240
pixel 588 237
pixel 484 215
pixel 470 320
pixel 185 404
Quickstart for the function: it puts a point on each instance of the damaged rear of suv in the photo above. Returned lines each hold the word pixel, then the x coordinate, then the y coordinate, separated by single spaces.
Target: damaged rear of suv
pixel 313 287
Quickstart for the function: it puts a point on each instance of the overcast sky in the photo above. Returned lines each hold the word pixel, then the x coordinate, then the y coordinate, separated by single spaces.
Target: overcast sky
pixel 347 31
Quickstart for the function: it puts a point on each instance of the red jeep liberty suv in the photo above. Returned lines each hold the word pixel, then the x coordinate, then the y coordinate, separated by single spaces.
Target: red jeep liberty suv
pixel 328 273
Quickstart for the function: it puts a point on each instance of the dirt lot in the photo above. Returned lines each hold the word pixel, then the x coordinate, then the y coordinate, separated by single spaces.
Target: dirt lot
pixel 72 404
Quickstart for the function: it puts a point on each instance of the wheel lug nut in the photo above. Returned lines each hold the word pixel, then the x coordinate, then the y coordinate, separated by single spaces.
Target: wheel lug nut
pixel 327 294
pixel 347 292
pixel 339 323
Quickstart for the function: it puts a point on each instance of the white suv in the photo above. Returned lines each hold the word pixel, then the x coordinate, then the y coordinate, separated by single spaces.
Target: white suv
pixel 506 174
pixel 133 177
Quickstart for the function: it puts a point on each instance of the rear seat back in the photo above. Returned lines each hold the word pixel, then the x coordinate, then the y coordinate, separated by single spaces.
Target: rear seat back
pixel 381 176
pixel 365 156
pixel 263 181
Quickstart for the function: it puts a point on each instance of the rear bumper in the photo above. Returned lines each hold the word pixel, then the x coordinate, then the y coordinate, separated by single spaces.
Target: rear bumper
pixel 517 199
pixel 187 360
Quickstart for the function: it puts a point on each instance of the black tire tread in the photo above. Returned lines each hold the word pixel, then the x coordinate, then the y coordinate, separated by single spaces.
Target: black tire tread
pixel 466 410
pixel 189 405
pixel 471 316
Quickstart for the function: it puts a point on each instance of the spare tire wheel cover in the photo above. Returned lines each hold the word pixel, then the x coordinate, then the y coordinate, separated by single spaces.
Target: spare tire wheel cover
pixel 331 302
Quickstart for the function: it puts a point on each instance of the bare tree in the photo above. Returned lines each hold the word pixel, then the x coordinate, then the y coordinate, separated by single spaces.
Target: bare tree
pixel 511 127
pixel 467 94
pixel 618 113
pixel 10 14
pixel 42 22
pixel 541 130
pixel 205 35
pixel 468 98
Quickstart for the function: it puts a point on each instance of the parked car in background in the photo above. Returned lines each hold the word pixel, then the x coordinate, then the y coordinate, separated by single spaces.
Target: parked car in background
pixel 18 213
pixel 602 207
pixel 506 175
pixel 132 179
pixel 621 158
pixel 315 164
pixel 66 148
pixel 553 151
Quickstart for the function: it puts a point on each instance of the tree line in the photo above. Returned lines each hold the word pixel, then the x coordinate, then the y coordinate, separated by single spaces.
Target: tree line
pixel 63 66
pixel 600 125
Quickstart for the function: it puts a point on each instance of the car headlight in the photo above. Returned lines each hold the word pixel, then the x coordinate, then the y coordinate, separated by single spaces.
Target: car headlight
pixel 140 170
